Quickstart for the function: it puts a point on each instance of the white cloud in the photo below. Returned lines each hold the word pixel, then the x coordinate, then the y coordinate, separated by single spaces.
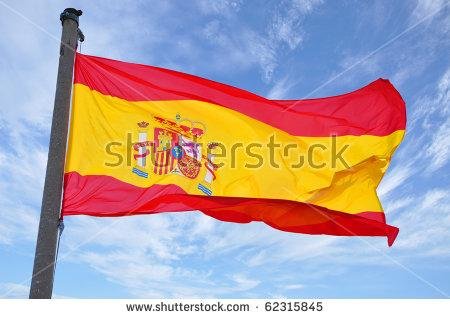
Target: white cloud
pixel 427 122
pixel 286 24
pixel 424 226
pixel 433 197
pixel 19 291
pixel 219 7
pixel 444 92
pixel 244 283
pixel 151 256
pixel 243 46
pixel 143 254
pixel 394 178
pixel 294 287
pixel 425 8
pixel 439 149
pixel 13 290
pixel 281 88
pixel 21 182
pixel 396 205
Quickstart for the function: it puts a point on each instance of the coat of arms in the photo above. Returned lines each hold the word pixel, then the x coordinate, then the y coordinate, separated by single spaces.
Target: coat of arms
pixel 174 148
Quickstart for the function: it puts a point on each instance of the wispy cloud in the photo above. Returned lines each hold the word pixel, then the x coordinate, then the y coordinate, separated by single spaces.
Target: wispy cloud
pixel 20 291
pixel 286 24
pixel 281 88
pixel 245 46
pixel 395 178
pixel 434 197
pixel 13 290
pixel 426 7
pixel 425 224
pixel 439 148
pixel 294 287
pixel 219 7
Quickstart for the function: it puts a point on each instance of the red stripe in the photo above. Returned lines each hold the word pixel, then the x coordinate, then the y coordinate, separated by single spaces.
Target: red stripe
pixel 376 109
pixel 155 168
pixel 166 164
pixel 106 197
pixel 172 160
pixel 161 163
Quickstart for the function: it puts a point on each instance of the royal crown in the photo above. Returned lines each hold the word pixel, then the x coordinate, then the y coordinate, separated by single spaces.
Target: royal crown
pixel 142 124
pixel 192 130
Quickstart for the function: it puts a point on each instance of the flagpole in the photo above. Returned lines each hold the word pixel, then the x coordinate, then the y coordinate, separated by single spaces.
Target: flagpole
pixel 47 240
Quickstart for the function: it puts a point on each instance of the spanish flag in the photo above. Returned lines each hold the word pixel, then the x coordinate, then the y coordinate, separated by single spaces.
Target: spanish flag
pixel 146 140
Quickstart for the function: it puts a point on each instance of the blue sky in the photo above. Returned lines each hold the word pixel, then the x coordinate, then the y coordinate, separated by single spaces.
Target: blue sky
pixel 279 49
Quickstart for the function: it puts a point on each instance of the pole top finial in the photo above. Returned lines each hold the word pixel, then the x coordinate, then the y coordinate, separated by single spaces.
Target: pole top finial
pixel 70 13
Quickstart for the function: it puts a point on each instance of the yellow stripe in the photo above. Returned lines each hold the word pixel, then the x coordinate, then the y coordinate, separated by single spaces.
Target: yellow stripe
pixel 97 120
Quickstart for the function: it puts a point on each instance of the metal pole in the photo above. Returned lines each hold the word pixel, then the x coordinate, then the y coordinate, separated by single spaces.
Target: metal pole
pixel 47 240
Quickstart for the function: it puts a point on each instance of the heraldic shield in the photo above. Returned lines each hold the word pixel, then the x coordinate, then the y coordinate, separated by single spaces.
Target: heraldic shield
pixel 175 148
